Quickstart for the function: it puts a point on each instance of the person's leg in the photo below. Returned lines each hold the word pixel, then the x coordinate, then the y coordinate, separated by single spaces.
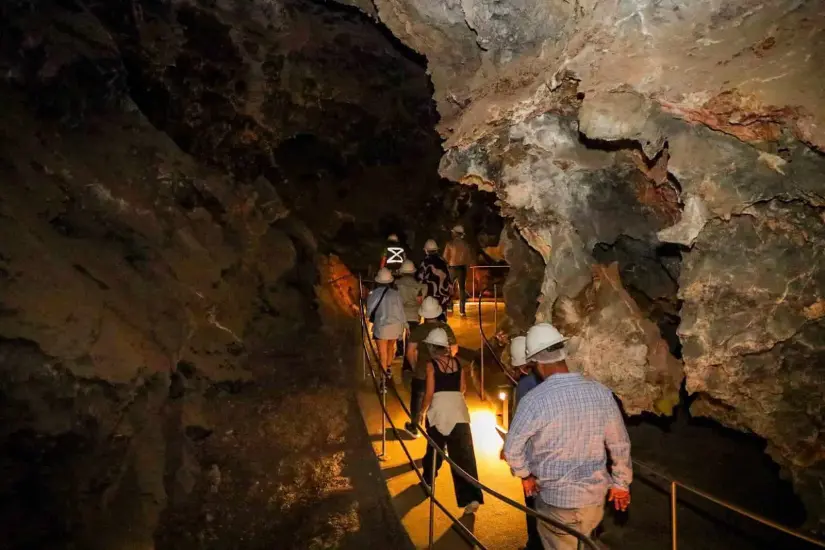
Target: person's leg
pixel 552 537
pixel 385 353
pixel 417 390
pixel 449 306
pixel 590 518
pixel 410 326
pixel 461 274
pixel 435 435
pixel 394 368
pixel 460 448
pixel 533 538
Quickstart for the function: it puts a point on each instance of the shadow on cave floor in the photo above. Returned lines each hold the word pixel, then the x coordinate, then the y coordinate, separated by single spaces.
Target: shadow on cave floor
pixel 287 466
pixel 723 462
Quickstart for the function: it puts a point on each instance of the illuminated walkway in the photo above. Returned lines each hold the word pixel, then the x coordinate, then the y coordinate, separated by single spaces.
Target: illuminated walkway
pixel 497 525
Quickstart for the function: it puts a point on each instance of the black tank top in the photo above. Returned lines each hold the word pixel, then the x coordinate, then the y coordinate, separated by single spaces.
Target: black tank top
pixel 447 381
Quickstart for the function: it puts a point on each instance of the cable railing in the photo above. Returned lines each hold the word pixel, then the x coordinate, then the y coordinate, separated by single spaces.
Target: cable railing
pixel 473 269
pixel 381 387
pixel 674 484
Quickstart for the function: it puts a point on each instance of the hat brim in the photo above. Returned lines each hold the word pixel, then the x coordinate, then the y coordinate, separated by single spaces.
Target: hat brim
pixel 531 355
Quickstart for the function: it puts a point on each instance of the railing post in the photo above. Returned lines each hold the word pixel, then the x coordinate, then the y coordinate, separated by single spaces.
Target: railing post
pixel 432 498
pixel 481 372
pixel 673 515
pixel 495 309
pixel 383 456
pixel 505 409
pixel 364 356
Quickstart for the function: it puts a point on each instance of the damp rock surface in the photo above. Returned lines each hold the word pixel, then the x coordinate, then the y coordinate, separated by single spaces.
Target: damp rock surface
pixel 692 130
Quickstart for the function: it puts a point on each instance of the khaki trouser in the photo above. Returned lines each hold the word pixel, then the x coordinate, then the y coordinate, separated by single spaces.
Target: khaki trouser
pixel 583 520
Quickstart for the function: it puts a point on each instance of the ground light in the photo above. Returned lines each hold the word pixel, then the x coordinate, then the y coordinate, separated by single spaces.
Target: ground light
pixel 486 438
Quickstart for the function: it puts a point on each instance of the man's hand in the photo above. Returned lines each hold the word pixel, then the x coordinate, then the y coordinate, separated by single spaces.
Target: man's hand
pixel 530 485
pixel 619 497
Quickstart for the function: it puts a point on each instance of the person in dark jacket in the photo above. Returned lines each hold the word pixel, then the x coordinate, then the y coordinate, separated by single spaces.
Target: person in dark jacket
pixel 435 273
pixel 394 254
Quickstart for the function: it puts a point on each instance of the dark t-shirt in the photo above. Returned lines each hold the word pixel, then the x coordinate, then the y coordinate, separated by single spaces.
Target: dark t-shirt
pixel 417 336
pixel 435 273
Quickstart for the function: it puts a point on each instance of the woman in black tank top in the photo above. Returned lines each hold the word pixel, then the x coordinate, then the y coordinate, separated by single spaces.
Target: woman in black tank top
pixel 448 420
pixel 447 374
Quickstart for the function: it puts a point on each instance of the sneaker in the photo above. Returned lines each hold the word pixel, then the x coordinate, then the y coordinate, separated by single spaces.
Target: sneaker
pixel 471 508
pixel 463 313
pixel 412 430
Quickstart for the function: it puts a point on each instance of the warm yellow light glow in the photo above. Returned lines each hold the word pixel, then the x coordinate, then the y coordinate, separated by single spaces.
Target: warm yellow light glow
pixel 502 395
pixel 485 436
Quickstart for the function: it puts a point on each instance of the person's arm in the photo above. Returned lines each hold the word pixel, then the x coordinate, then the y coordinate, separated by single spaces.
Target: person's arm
pixel 448 253
pixel 463 380
pixel 618 445
pixel 452 340
pixel 524 426
pixel 430 391
pixel 419 274
pixel 412 353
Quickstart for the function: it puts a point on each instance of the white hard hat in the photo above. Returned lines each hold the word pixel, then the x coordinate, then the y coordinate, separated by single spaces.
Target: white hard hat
pixel 384 276
pixel 430 308
pixel 458 229
pixel 438 337
pixel 518 351
pixel 540 337
pixel 407 268
pixel 430 246
pixel 393 238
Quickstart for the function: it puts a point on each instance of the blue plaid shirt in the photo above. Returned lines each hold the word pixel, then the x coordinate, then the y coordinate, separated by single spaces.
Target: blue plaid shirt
pixel 561 434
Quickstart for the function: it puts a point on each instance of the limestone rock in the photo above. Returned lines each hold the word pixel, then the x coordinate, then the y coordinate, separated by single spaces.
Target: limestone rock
pixel 619 116
pixel 694 218
pixel 618 346
pixel 523 283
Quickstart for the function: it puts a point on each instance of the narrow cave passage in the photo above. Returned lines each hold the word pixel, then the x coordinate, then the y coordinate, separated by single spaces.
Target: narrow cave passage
pixel 188 188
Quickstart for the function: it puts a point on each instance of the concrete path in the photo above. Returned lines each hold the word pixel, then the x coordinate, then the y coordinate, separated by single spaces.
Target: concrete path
pixel 496 524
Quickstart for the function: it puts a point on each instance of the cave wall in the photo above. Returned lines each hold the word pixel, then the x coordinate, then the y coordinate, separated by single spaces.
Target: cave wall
pixel 664 159
pixel 171 176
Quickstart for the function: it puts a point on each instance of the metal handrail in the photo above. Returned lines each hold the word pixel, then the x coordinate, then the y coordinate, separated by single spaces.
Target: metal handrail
pixel 473 278
pixel 380 389
pixel 456 469
pixel 674 483
pixel 486 343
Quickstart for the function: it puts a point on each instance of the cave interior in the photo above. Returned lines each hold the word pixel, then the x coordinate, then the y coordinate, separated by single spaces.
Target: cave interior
pixel 183 181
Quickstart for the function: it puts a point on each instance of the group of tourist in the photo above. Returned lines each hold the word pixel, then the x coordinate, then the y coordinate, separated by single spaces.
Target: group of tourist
pixel 414 303
pixel 567 441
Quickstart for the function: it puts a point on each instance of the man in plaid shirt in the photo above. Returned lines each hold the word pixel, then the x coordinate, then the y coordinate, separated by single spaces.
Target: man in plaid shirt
pixel 559 442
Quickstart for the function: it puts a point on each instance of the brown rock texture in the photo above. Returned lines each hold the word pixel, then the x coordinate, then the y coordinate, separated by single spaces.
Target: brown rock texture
pixel 172 178
pixel 682 140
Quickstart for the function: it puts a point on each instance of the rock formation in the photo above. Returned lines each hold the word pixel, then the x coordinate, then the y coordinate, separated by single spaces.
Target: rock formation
pixel 173 173
pixel 172 177
pixel 682 142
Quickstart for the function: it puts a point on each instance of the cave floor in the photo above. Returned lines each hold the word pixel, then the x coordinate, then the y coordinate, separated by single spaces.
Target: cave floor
pixel 694 453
